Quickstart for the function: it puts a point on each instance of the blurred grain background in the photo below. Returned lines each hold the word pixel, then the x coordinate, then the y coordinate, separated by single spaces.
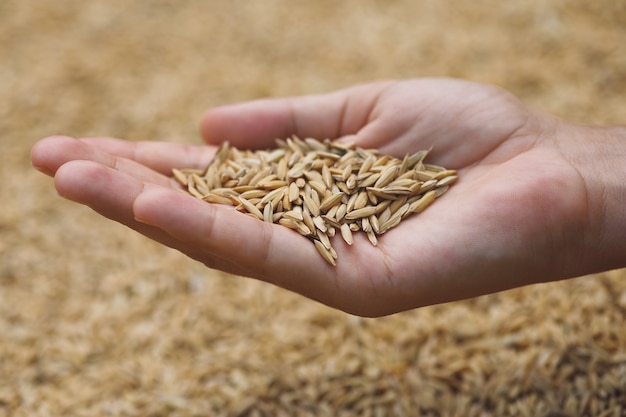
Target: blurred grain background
pixel 95 320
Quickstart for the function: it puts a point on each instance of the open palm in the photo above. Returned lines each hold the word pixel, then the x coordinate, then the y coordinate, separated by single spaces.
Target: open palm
pixel 502 225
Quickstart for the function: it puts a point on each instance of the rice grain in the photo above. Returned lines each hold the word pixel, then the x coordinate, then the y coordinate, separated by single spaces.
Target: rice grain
pixel 316 187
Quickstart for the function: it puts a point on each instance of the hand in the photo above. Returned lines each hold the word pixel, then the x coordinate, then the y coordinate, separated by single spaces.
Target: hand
pixel 519 214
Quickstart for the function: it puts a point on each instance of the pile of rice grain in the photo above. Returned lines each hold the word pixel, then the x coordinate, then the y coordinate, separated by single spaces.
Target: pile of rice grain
pixel 318 187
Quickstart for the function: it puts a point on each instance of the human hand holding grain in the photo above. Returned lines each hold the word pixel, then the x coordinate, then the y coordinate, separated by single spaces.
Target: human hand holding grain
pixel 533 203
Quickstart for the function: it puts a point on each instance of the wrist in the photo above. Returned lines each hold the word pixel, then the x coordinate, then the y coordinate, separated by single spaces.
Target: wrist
pixel 599 156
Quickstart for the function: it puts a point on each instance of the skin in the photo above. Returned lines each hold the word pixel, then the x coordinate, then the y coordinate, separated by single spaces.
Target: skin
pixel 538 199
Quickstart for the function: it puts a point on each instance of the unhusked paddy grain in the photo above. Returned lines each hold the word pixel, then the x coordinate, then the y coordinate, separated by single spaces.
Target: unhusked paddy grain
pixel 315 187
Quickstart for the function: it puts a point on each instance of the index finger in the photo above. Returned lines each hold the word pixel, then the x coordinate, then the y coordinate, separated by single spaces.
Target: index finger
pixel 256 124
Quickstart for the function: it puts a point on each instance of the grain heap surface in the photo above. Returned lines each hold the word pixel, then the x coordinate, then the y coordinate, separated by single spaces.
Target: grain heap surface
pixel 96 320
pixel 318 187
